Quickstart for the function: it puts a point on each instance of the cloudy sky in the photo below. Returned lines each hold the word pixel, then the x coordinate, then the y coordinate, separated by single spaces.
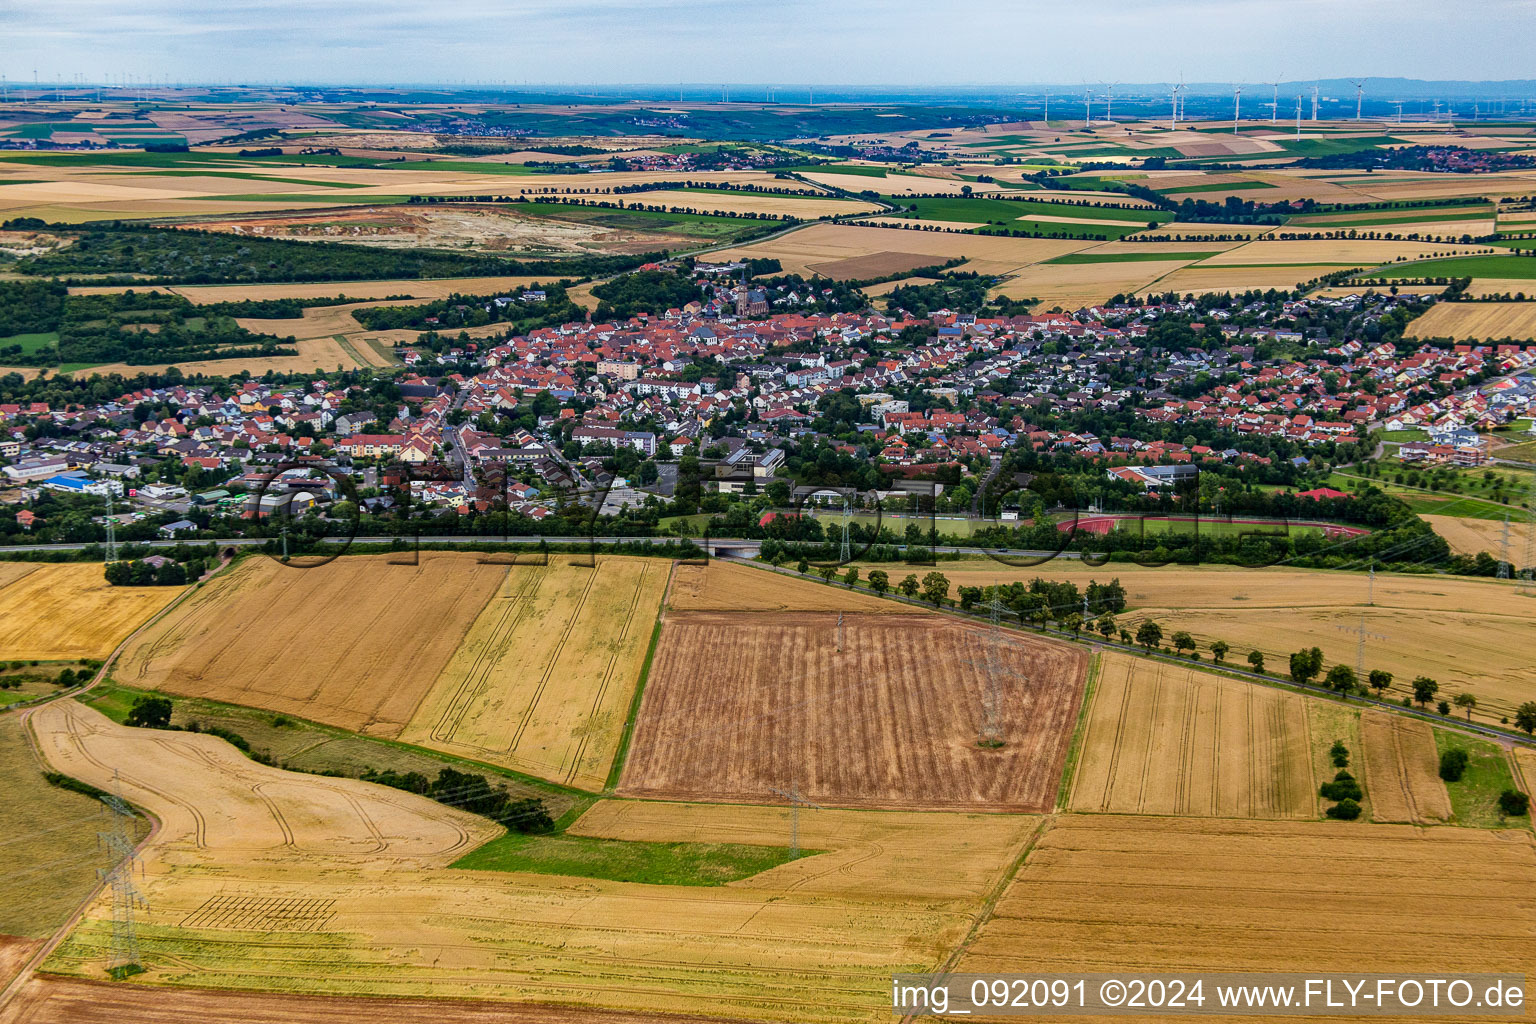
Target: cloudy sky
pixel 907 42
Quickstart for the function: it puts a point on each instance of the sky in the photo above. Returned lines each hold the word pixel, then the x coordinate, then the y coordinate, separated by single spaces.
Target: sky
pixel 782 42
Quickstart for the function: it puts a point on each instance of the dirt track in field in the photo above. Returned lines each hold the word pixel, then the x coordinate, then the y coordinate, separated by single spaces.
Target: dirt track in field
pixel 740 704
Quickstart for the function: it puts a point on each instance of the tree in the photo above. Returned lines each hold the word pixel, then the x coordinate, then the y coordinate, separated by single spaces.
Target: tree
pixel 935 588
pixel 1305 665
pixel 150 713
pixel 1514 804
pixel 1466 700
pixel 827 572
pixel 1105 625
pixel 1125 636
pixel 1379 680
pixel 1149 635
pixel 1424 690
pixel 879 581
pixel 1182 641
pixel 1256 660
pixel 909 585
pixel 968 597
pixel 1219 650
pixel 1074 622
pixel 1341 678
pixel 1525 716
pixel 1345 810
pixel 1453 764
pixel 850 577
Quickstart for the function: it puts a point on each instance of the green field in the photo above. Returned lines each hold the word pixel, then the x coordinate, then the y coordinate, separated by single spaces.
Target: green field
pixel 31 343
pixel 862 170
pixel 622 860
pixel 1127 257
pixel 1521 268
pixel 1475 798
pixel 1525 451
pixel 978 210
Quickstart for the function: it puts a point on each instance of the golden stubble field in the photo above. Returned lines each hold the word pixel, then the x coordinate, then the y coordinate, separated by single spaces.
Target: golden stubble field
pixel 1162 739
pixel 543 679
pixel 1480 321
pixel 1468 634
pixel 355 643
pixel 719 586
pixel 260 880
pixel 1159 895
pixel 67 610
pixel 1402 770
pixel 875 711
pixel 822 243
pixel 1473 536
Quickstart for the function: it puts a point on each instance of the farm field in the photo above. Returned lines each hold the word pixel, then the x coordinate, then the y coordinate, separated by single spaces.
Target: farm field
pixel 1402 770
pixel 50 847
pixel 264 881
pixel 722 587
pixel 355 643
pixel 1471 536
pixel 439 288
pixel 738 705
pixel 1481 321
pixel 823 243
pixel 1162 739
pixel 1468 634
pixel 67 610
pixel 1155 895
pixel 1518 269
pixel 543 679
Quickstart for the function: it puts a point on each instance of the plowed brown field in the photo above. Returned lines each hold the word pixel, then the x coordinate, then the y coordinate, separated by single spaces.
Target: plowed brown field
pixel 740 704
pixel 354 643
pixel 1163 739
pixel 1402 769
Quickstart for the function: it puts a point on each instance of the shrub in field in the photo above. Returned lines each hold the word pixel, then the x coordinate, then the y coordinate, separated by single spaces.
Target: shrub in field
pixel 1345 810
pixel 1514 804
pixel 1453 763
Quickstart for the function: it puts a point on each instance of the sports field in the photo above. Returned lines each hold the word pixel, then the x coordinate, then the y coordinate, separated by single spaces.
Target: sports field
pixel 64 611
pixel 543 679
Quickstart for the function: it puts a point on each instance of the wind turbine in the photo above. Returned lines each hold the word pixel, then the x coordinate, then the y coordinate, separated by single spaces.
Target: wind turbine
pixel 1359 95
pixel 1314 103
pixel 1109 100
pixel 1298 117
pixel 1237 106
pixel 1088 108
pixel 1274 106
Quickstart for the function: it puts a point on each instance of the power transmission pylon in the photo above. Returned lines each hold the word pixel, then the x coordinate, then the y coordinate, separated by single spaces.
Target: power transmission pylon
pixel 792 794
pixel 1504 565
pixel 991 732
pixel 124 956
pixel 845 551
pixel 839 632
pixel 111 527
pixel 1528 568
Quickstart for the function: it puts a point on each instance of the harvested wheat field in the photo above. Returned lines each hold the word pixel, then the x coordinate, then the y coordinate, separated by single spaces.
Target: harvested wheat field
pixel 739 704
pixel 799 250
pixel 1469 634
pixel 543 680
pixel 1073 285
pixel 265 881
pixel 876 264
pixel 719 586
pixel 63 611
pixel 1473 536
pixel 214 802
pixel 1334 251
pixel 1145 895
pixel 1477 320
pixel 322 354
pixel 1402 769
pixel 1204 277
pixel 1162 739
pixel 355 643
